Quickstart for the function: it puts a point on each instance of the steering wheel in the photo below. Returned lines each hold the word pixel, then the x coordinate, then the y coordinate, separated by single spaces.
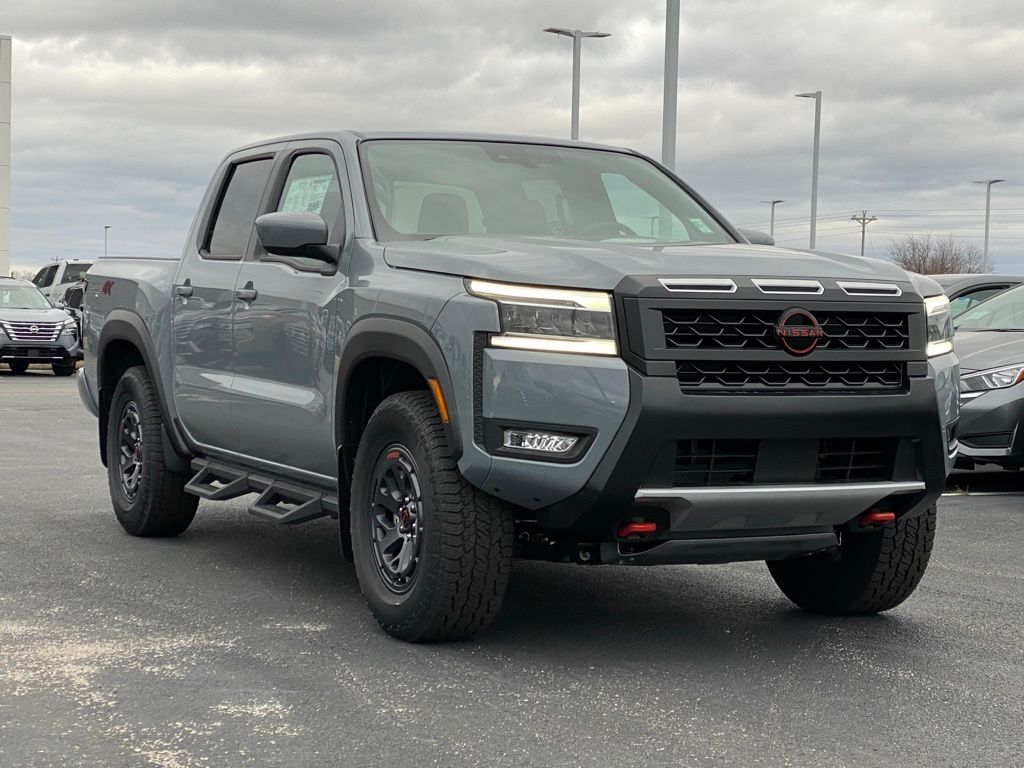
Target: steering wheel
pixel 606 229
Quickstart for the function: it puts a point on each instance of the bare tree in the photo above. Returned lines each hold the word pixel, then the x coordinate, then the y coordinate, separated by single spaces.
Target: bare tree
pixel 927 255
pixel 23 273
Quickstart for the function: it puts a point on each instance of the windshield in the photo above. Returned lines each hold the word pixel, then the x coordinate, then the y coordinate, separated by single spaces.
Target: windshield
pixel 1003 312
pixel 22 297
pixel 75 272
pixel 424 189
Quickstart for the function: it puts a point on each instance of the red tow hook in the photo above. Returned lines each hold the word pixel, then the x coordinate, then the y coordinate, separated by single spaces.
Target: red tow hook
pixel 634 528
pixel 876 517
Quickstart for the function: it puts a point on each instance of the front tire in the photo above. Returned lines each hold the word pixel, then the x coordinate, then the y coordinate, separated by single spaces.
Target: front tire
pixel 18 367
pixel 63 370
pixel 875 570
pixel 432 553
pixel 148 499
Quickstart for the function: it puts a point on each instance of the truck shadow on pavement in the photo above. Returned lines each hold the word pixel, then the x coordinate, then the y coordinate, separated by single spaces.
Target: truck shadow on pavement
pixel 686 616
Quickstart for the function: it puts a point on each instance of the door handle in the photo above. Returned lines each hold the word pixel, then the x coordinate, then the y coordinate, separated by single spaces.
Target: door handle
pixel 184 291
pixel 247 294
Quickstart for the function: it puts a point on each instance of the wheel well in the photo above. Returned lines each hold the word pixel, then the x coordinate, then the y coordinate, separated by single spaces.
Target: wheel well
pixel 371 381
pixel 118 356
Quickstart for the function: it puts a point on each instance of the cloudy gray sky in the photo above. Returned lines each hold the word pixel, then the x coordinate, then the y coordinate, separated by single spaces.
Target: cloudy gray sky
pixel 122 109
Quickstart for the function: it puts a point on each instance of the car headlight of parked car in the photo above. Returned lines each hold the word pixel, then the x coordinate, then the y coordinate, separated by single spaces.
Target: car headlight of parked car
pixel 69 327
pixel 551 319
pixel 974 384
pixel 940 325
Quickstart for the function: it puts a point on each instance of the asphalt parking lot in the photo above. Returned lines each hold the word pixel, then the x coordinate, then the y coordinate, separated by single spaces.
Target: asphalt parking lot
pixel 243 643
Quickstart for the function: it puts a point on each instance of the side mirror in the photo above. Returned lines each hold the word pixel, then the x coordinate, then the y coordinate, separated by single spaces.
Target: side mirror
pixel 297 233
pixel 756 237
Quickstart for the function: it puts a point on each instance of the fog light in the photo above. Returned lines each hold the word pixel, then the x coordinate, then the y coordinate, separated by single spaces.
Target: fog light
pixel 542 442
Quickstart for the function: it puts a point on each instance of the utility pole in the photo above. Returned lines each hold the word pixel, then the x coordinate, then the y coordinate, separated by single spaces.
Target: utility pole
pixel 772 203
pixel 106 229
pixel 669 105
pixel 863 220
pixel 577 44
pixel 988 206
pixel 816 95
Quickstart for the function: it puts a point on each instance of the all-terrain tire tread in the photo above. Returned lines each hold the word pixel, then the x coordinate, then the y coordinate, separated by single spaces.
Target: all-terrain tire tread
pixel 476 534
pixel 168 509
pixel 875 570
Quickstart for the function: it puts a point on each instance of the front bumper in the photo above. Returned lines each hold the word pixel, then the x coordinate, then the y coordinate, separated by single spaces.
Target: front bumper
pixel 635 476
pixel 61 352
pixel 990 428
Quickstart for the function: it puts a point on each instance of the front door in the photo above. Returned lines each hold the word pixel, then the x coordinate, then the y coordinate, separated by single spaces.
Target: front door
pixel 203 301
pixel 284 333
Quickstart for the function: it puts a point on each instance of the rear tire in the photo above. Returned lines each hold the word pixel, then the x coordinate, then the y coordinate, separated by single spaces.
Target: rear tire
pixel 18 367
pixel 148 499
pixel 875 570
pixel 63 370
pixel 407 490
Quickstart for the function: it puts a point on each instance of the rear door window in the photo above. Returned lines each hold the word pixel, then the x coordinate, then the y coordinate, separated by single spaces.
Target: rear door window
pixel 44 278
pixel 233 223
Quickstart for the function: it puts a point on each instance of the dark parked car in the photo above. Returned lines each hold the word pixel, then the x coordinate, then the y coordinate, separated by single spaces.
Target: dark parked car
pixel 33 331
pixel 990 344
pixel 966 291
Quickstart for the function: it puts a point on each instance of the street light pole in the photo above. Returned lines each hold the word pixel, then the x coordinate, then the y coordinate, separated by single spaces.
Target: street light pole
pixel 577 45
pixel 670 101
pixel 106 228
pixel 816 95
pixel 988 207
pixel 772 203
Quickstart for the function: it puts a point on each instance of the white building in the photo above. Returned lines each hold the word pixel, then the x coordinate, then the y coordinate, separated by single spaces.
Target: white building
pixel 5 155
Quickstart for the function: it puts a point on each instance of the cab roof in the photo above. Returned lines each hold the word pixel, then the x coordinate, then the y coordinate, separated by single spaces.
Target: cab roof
pixel 352 138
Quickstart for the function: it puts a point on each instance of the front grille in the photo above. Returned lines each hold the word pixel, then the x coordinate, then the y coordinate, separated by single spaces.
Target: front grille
pixel 712 329
pixel 714 462
pixel 22 331
pixel 855 459
pixel 710 376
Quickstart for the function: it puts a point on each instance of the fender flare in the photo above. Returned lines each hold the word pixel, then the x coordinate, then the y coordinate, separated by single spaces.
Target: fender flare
pixel 401 340
pixel 124 325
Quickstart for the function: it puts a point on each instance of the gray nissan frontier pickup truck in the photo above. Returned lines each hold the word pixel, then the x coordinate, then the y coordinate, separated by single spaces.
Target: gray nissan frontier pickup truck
pixel 469 348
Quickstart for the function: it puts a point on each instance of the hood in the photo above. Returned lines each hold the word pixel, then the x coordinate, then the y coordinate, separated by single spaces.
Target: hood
pixel 601 266
pixel 51 315
pixel 980 350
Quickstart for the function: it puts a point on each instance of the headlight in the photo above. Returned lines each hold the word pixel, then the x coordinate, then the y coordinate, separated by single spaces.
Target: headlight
pixel 940 325
pixel 995 378
pixel 550 319
pixel 69 326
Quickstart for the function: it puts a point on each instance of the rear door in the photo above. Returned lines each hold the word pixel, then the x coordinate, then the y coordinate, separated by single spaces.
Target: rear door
pixel 284 333
pixel 204 298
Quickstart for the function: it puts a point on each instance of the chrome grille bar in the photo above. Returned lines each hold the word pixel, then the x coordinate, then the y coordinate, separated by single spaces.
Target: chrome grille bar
pixel 25 331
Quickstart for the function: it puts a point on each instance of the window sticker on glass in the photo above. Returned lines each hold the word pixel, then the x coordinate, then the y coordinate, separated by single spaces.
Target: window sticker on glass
pixel 307 194
pixel 701 225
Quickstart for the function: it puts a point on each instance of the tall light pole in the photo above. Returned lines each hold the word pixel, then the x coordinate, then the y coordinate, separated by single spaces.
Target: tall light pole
pixel 577 44
pixel 106 229
pixel 988 206
pixel 772 203
pixel 816 95
pixel 669 103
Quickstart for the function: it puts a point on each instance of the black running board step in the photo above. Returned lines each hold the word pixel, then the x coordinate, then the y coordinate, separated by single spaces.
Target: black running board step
pixel 288 503
pixel 217 482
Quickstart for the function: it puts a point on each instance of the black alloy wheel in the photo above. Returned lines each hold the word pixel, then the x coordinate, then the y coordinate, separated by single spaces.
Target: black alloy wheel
pixel 396 518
